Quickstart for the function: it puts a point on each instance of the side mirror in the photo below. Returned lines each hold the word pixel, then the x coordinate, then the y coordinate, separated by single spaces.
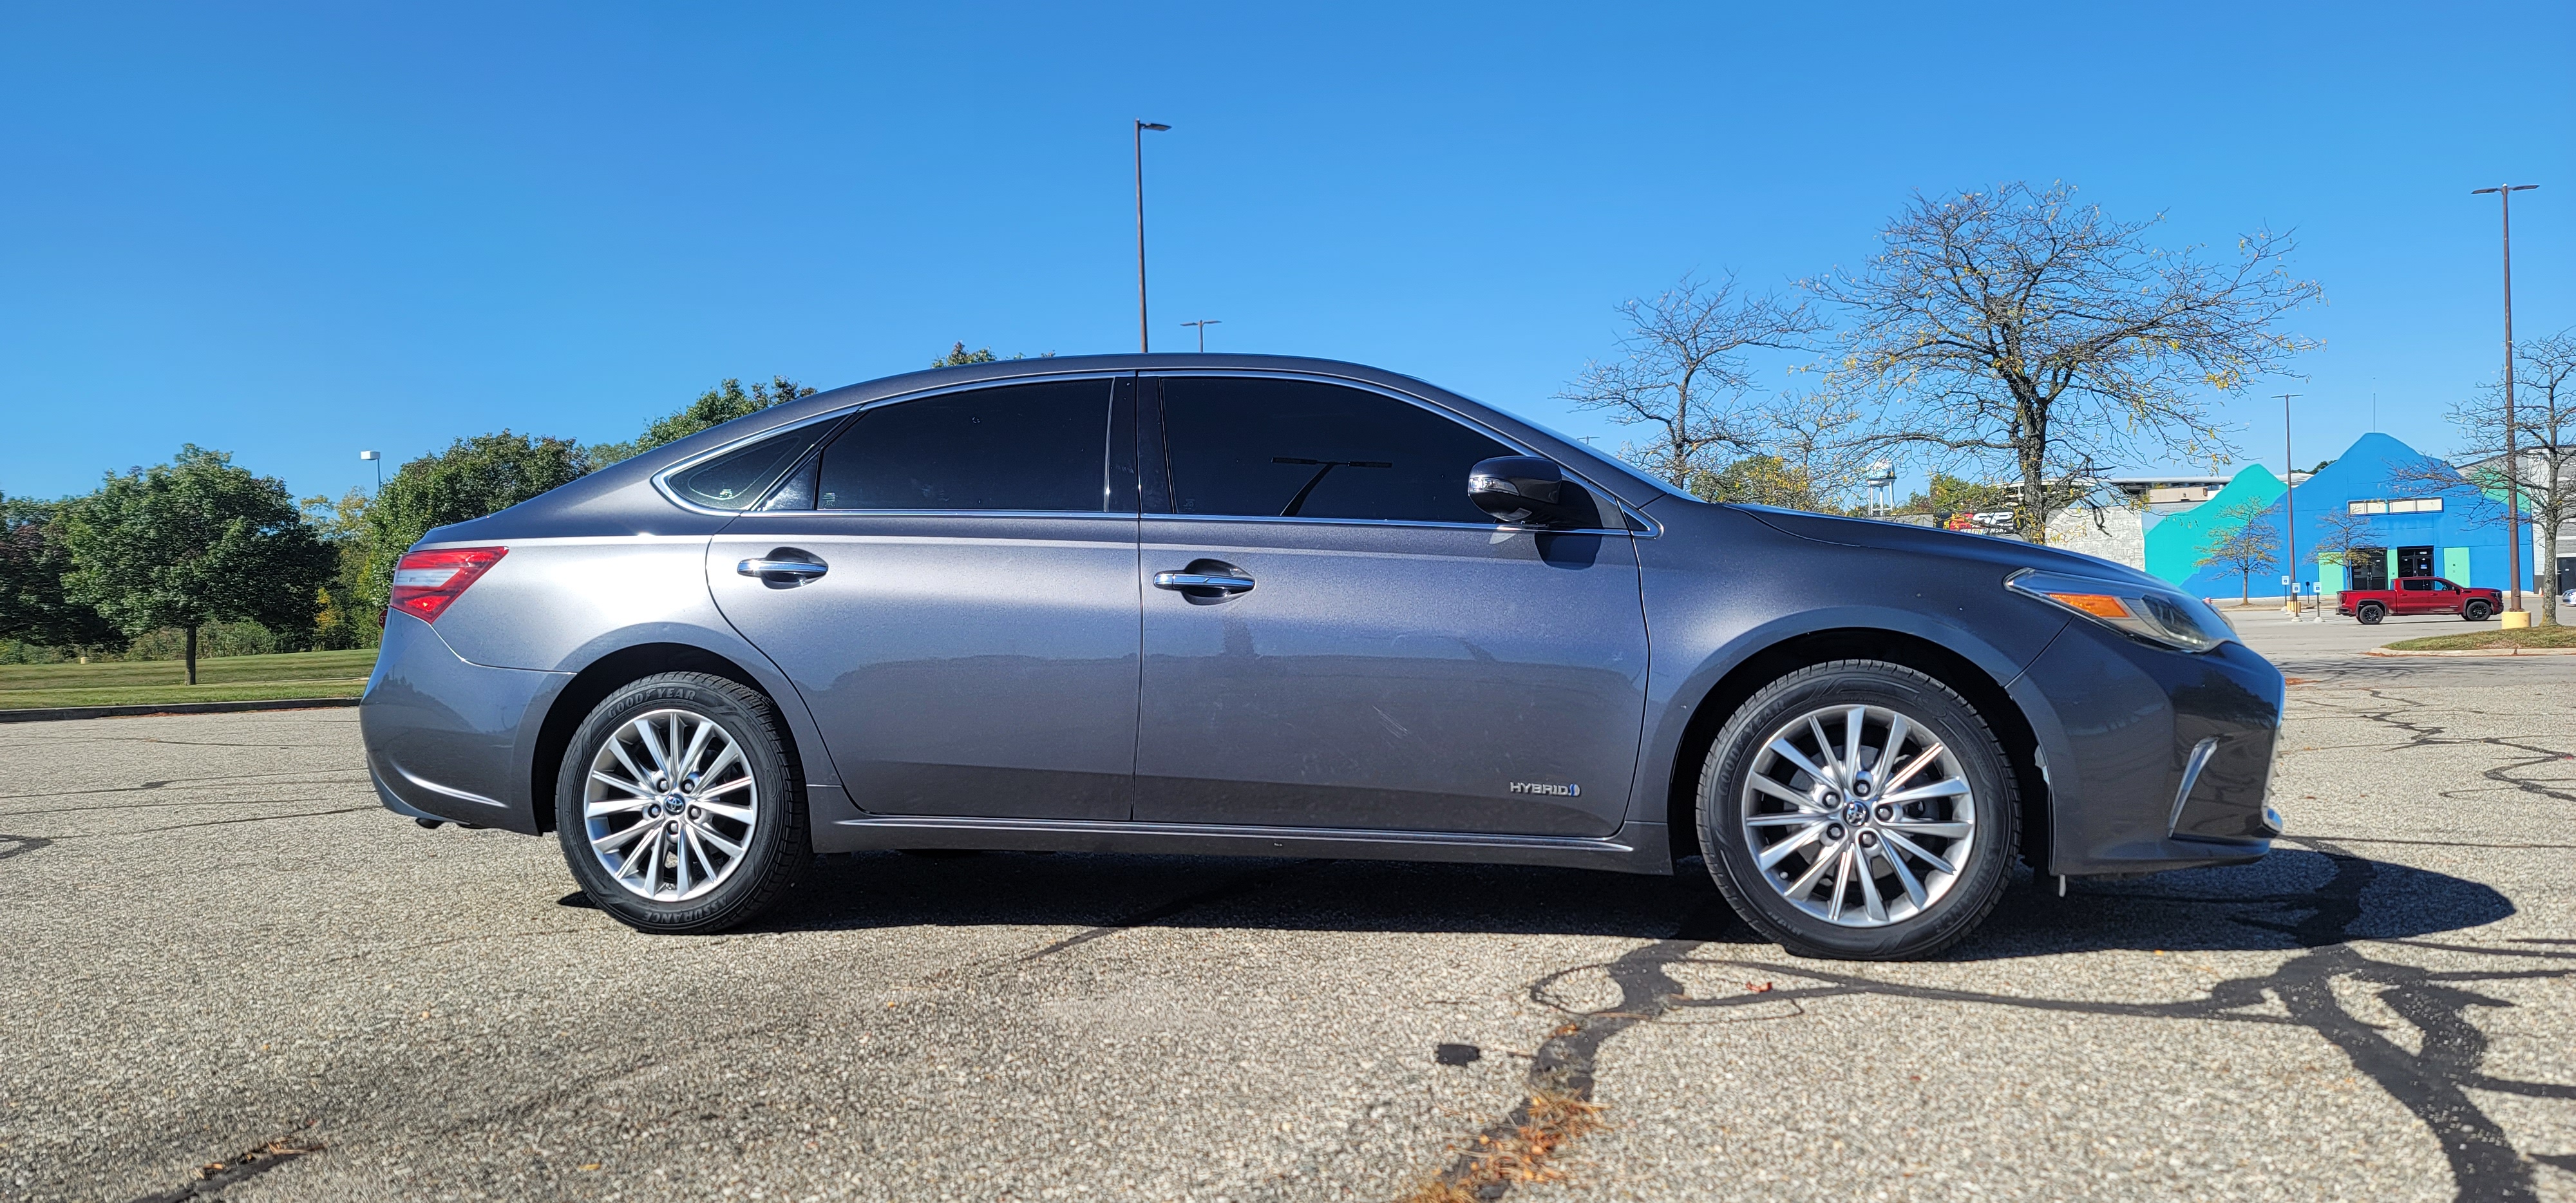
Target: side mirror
pixel 1521 490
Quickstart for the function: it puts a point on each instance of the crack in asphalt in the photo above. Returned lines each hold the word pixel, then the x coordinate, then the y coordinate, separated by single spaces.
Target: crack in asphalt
pixel 325 778
pixel 2432 1084
pixel 214 1179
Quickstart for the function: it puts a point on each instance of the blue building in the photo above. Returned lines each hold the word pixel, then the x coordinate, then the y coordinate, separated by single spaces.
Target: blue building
pixel 2456 533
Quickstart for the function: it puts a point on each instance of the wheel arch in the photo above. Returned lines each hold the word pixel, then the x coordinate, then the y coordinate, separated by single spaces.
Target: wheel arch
pixel 607 675
pixel 1971 681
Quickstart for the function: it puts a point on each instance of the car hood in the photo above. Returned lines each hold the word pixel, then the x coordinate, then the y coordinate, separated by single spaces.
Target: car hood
pixel 2007 555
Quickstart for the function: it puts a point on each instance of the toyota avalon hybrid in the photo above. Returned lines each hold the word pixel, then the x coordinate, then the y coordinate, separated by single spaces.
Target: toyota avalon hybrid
pixel 1259 606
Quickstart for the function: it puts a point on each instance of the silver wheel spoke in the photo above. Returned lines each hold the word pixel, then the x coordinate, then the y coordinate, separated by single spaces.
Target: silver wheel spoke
pixel 653 747
pixel 739 814
pixel 1806 882
pixel 633 770
pixel 728 847
pixel 618 838
pixel 1952 788
pixel 1825 750
pixel 1786 794
pixel 1777 852
pixel 1921 762
pixel 635 855
pixel 1904 876
pixel 703 794
pixel 1917 849
pixel 1791 819
pixel 1782 748
pixel 680 861
pixel 1897 729
pixel 1851 739
pixel 1842 878
pixel 1871 904
pixel 610 779
pixel 1933 827
pixel 613 806
pixel 697 745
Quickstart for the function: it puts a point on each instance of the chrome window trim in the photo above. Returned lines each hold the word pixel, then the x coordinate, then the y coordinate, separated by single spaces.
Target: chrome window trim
pixel 1652 527
pixel 662 479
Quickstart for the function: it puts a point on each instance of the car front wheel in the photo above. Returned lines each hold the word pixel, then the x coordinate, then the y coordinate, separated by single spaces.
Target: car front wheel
pixel 678 807
pixel 1859 810
pixel 2476 611
pixel 2370 613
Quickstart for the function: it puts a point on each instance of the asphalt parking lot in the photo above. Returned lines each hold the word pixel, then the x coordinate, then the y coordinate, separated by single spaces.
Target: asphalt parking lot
pixel 230 973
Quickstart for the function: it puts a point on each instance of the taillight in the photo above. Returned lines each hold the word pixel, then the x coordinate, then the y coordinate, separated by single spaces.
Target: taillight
pixel 427 581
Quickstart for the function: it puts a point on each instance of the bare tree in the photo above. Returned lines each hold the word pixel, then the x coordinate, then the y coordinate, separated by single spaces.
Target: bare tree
pixel 2250 545
pixel 1682 371
pixel 2017 329
pixel 2346 538
pixel 2544 419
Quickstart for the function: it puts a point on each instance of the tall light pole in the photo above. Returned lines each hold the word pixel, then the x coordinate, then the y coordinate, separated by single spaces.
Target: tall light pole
pixel 1203 324
pixel 2512 461
pixel 2289 507
pixel 378 459
pixel 1144 338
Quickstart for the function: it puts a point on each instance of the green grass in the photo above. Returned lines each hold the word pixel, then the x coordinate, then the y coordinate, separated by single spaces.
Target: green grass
pixel 160 682
pixel 2497 640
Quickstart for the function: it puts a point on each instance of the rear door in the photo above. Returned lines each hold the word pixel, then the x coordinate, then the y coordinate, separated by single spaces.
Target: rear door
pixel 951 585
pixel 1373 652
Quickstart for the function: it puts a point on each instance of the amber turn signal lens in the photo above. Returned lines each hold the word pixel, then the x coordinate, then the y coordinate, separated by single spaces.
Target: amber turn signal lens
pixel 2099 605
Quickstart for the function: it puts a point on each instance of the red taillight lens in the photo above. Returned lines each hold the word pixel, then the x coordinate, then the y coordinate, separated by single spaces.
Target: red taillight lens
pixel 426 581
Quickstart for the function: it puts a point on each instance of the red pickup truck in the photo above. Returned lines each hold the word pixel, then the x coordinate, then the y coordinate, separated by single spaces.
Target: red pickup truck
pixel 2420 595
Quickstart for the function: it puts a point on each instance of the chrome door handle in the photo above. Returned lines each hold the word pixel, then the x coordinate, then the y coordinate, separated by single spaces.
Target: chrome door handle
pixel 803 570
pixel 1219 581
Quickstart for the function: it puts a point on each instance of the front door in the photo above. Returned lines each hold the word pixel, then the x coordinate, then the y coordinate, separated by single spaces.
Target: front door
pixel 2415 596
pixel 969 647
pixel 1344 641
pixel 2414 561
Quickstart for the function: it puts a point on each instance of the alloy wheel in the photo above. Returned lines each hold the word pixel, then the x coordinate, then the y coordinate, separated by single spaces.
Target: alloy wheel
pixel 1858 815
pixel 671 805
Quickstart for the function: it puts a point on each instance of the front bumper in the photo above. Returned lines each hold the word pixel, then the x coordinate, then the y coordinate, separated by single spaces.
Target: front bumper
pixel 2155 759
pixel 449 739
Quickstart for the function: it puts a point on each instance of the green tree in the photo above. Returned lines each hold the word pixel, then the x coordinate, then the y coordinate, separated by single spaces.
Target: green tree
pixel 194 541
pixel 1760 480
pixel 33 562
pixel 473 477
pixel 723 403
pixel 345 618
pixel 958 356
pixel 2250 546
pixel 1957 495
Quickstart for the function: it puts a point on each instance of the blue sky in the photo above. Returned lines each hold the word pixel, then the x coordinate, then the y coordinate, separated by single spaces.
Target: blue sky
pixel 294 232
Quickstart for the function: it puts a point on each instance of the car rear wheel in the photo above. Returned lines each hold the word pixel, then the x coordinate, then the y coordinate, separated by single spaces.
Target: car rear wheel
pixel 2476 611
pixel 2370 613
pixel 1859 810
pixel 678 807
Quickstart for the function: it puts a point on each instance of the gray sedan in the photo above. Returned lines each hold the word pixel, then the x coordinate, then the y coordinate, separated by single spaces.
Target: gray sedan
pixel 1246 605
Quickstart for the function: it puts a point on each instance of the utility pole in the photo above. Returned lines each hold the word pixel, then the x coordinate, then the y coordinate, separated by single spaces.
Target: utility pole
pixel 2512 461
pixel 2289 508
pixel 1144 338
pixel 1203 324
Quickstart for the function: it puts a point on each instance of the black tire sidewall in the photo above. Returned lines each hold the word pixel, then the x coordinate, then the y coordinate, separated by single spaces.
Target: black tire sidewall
pixel 2476 611
pixel 780 844
pixel 2370 613
pixel 1923 701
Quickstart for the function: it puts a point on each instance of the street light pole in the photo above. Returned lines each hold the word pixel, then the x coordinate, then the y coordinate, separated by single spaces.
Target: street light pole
pixel 1203 324
pixel 2289 507
pixel 2512 461
pixel 378 459
pixel 1144 338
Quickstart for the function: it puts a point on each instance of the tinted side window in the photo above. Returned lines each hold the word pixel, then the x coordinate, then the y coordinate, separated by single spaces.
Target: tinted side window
pixel 1018 447
pixel 1290 448
pixel 736 479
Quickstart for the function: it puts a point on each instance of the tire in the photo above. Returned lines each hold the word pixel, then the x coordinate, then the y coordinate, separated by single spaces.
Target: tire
pixel 1895 923
pixel 2475 611
pixel 2370 613
pixel 753 802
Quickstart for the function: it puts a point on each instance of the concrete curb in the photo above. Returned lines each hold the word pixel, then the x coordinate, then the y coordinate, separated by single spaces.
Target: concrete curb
pixel 2481 651
pixel 57 713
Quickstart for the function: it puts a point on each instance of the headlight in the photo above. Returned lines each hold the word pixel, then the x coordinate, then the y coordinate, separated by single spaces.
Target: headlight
pixel 2154 615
